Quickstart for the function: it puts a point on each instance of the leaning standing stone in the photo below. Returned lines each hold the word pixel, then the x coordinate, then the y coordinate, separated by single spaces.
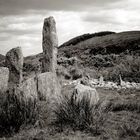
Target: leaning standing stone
pixel 14 61
pixel 50 45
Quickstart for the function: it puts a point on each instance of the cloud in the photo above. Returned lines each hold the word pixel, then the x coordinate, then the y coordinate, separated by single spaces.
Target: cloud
pixel 14 7
pixel 119 16
pixel 104 17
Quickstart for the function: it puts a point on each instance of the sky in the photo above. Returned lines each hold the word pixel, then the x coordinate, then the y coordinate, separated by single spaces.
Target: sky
pixel 21 21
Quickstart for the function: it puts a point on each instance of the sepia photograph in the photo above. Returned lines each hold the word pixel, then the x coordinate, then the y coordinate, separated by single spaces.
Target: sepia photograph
pixel 69 69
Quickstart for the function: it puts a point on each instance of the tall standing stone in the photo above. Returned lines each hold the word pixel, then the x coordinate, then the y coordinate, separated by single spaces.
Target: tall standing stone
pixel 50 45
pixel 14 61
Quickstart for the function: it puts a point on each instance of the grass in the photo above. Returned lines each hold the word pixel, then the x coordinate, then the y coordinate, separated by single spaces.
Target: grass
pixel 16 111
pixel 79 115
pixel 115 117
pixel 125 105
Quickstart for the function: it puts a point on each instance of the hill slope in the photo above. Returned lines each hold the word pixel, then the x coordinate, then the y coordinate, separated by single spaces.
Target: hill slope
pixel 84 37
pixel 113 43
pixel 111 55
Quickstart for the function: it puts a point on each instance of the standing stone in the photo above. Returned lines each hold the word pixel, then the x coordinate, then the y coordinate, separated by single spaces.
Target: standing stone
pixel 14 61
pixel 121 82
pixel 50 45
pixel 48 87
pixel 29 88
pixel 49 90
pixel 4 75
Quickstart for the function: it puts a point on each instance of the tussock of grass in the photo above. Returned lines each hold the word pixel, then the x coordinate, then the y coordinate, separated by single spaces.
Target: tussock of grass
pixel 79 115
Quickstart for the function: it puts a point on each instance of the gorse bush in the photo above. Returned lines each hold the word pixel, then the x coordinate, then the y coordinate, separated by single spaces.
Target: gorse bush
pixel 15 111
pixel 79 115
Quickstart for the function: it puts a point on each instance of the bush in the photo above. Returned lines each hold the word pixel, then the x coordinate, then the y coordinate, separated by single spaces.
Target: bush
pixel 76 73
pixel 16 111
pixel 63 72
pixel 128 66
pixel 79 115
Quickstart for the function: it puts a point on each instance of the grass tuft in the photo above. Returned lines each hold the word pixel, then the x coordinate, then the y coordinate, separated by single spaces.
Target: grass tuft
pixel 79 115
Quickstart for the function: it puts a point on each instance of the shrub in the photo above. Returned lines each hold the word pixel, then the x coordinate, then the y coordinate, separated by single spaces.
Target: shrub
pixel 16 111
pixel 79 115
pixel 76 73
pixel 127 66
pixel 63 72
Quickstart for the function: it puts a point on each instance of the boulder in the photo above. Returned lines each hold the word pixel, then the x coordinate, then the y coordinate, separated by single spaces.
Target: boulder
pixel 29 88
pixel 48 87
pixel 83 91
pixel 4 76
pixel 49 90
pixel 49 45
pixel 14 61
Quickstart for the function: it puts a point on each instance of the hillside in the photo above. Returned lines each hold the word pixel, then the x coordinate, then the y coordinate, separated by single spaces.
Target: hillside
pixel 108 55
pixel 84 37
pixel 111 55
pixel 113 43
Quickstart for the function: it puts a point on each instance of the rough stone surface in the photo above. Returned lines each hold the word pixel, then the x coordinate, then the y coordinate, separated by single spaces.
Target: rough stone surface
pixel 48 87
pixel 14 61
pixel 29 88
pixel 49 90
pixel 81 91
pixel 4 76
pixel 50 45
